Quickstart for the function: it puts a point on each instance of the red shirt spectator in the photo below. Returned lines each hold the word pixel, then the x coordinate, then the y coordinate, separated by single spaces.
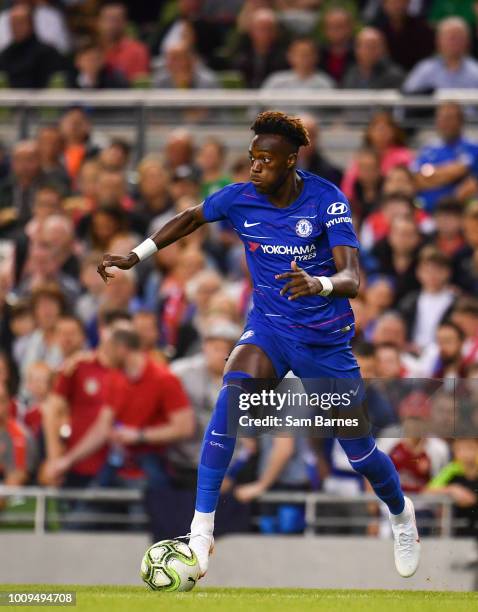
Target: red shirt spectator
pixel 85 390
pixel 147 401
pixel 122 53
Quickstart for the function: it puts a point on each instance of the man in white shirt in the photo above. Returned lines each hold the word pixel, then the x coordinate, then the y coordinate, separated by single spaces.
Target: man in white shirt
pixel 303 57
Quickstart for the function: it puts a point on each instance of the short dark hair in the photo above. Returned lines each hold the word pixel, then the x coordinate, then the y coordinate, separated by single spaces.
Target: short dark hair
pixel 449 205
pixel 127 337
pixel 432 254
pixel 402 197
pixel 467 305
pixel 447 323
pixel 108 317
pixel 275 122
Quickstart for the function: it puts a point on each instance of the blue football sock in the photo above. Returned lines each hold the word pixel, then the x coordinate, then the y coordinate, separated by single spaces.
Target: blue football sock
pixel 378 469
pixel 218 445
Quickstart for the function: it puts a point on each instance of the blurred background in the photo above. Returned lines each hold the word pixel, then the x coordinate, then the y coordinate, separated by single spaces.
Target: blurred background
pixel 116 116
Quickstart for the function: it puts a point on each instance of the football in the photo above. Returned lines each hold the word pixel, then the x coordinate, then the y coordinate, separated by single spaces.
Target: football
pixel 170 565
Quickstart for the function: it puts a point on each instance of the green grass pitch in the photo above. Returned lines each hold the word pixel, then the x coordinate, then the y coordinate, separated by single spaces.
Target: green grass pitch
pixel 132 599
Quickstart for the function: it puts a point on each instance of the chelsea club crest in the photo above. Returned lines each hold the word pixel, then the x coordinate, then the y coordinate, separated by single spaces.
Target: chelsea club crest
pixel 303 228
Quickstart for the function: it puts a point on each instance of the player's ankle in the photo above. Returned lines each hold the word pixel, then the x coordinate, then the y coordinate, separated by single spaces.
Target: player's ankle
pixel 202 523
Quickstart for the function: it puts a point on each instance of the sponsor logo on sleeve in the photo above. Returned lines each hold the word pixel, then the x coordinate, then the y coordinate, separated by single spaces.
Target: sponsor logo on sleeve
pixel 337 208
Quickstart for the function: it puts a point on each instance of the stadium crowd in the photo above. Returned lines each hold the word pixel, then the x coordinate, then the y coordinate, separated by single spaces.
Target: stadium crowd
pixel 112 385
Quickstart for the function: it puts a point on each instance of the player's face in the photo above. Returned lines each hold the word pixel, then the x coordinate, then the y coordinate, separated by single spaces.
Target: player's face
pixel 272 159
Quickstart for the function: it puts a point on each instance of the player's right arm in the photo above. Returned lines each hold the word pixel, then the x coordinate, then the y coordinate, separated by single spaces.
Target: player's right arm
pixel 179 226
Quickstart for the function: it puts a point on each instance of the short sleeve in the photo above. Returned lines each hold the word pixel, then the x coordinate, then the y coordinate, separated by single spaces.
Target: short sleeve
pixel 63 385
pixel 337 221
pixel 216 206
pixel 115 392
pixel 175 398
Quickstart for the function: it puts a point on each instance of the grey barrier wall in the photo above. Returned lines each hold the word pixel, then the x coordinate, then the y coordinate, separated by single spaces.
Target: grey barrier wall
pixel 241 561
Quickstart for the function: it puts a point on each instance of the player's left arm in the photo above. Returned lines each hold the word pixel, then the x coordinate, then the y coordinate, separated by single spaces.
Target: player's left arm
pixel 344 283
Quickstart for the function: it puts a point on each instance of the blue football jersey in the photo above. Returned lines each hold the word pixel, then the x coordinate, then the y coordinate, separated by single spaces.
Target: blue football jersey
pixel 305 231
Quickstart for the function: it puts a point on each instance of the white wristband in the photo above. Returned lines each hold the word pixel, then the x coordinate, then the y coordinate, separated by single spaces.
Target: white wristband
pixel 145 249
pixel 327 286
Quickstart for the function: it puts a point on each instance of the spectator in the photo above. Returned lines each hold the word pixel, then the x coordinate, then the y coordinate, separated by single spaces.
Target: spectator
pixel 261 50
pixel 48 304
pixel 465 315
pixel 183 70
pixel 447 168
pixel 179 150
pixel 49 262
pixel 449 362
pixel 18 190
pixel 146 325
pixel 205 26
pixel 389 364
pixel 17 450
pixel 87 305
pixel 426 308
pixel 372 68
pixel 210 159
pixel 154 197
pixel 466 260
pixel 418 457
pixel 48 24
pixel 91 71
pixel 364 192
pixel 122 53
pixel 76 129
pixel 409 39
pixel 112 190
pixel 79 393
pixel 27 62
pixel 390 329
pixel 201 377
pixel 448 219
pixel 387 139
pixel 376 226
pixel 21 326
pixel 70 336
pixel 116 156
pixel 459 480
pixel 451 67
pixel 50 148
pixel 336 54
pixel 399 179
pixel 396 255
pixel 302 56
pixel 142 414
pixel 38 383
pixel 311 157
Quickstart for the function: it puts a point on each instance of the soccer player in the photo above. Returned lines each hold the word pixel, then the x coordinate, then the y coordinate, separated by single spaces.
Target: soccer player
pixel 302 254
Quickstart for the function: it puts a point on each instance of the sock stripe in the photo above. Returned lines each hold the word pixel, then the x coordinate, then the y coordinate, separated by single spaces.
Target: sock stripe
pixel 357 459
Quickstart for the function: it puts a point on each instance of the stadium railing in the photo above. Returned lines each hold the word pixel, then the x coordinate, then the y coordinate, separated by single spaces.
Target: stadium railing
pixel 139 109
pixel 40 516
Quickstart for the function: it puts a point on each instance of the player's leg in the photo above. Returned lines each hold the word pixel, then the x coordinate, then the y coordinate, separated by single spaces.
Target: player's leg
pixel 245 361
pixel 338 363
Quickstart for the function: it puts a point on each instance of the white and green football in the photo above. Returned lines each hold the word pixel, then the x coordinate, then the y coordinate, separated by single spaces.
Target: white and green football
pixel 170 565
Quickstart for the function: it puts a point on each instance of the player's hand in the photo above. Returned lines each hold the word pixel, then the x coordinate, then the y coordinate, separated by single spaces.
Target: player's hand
pixel 123 262
pixel 300 283
pixel 248 492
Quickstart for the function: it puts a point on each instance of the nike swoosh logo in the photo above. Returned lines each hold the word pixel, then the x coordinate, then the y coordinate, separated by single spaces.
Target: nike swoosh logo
pixel 354 392
pixel 246 224
pixel 214 433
